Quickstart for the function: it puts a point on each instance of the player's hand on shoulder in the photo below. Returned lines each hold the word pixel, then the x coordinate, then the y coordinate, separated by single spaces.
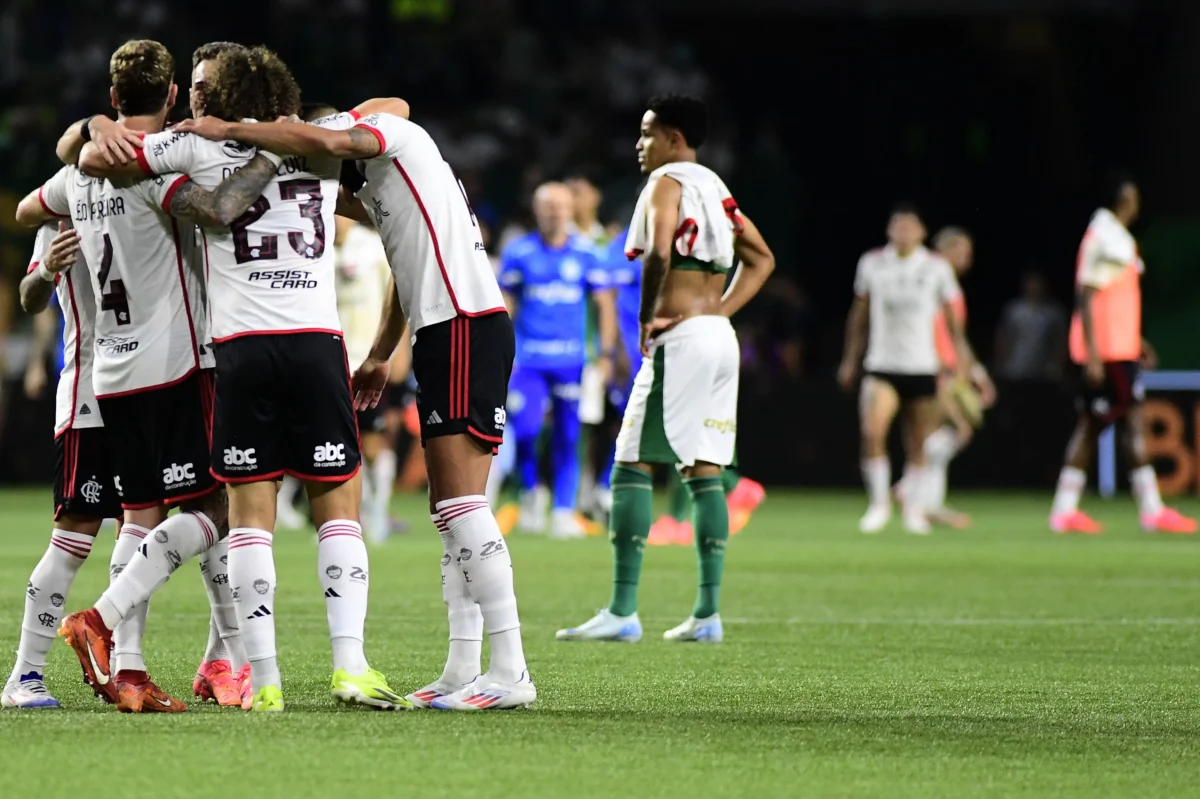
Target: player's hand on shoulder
pixel 116 143
pixel 64 250
pixel 847 375
pixel 368 382
pixel 205 127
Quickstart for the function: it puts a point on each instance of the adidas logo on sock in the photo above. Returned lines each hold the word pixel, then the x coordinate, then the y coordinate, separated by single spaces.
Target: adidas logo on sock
pixel 260 613
pixel 434 418
pixel 331 594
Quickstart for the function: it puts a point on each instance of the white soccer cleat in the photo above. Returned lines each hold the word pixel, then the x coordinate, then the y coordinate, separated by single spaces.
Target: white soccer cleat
pixel 564 524
pixel 534 505
pixel 423 698
pixel 605 626
pixel 875 519
pixel 916 523
pixel 488 694
pixel 29 693
pixel 704 631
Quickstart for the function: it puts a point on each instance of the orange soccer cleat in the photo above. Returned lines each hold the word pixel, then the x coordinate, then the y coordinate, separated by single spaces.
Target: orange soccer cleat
pixel 215 680
pixel 506 517
pixel 92 641
pixel 245 687
pixel 1168 520
pixel 139 695
pixel 1075 522
pixel 668 530
pixel 743 500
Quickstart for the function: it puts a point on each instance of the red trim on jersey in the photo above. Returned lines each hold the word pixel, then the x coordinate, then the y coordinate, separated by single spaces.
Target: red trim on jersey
pixel 354 113
pixel 437 250
pixel 484 436
pixel 142 162
pixel 168 384
pixel 634 254
pixel 187 300
pixel 250 478
pixel 330 331
pixel 78 331
pixel 166 204
pixel 32 267
pixel 194 495
pixel 46 208
pixel 378 135
pixel 325 478
pixel 688 225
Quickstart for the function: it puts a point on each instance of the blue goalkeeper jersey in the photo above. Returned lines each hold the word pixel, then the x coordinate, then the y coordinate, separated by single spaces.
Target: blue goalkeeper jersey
pixel 551 287
pixel 625 277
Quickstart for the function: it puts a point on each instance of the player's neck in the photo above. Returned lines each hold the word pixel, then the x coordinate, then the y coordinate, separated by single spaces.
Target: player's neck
pixel 586 223
pixel 904 253
pixel 150 123
pixel 555 241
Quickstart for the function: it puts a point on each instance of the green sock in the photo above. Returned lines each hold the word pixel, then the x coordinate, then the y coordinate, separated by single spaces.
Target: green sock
pixel 681 502
pixel 710 520
pixel 628 526
pixel 729 479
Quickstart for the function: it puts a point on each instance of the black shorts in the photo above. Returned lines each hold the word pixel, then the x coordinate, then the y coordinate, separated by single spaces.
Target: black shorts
pixel 909 387
pixel 283 407
pixel 462 368
pixel 160 442
pixel 1111 400
pixel 373 420
pixel 397 396
pixel 84 481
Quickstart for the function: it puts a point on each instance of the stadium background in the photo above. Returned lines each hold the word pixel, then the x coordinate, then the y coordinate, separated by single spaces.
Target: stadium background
pixel 997 116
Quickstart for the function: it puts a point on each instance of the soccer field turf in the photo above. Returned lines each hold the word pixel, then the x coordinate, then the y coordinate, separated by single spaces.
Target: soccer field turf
pixel 999 661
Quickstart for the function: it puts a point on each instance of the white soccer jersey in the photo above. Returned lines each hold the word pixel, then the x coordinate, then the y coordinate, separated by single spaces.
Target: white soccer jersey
pixel 150 328
pixel 75 401
pixel 709 219
pixel 362 279
pixel 906 295
pixel 430 233
pixel 272 270
pixel 1107 250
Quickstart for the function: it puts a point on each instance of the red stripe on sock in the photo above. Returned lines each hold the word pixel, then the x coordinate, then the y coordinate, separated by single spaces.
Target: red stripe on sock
pixel 71 548
pixel 450 514
pixel 133 532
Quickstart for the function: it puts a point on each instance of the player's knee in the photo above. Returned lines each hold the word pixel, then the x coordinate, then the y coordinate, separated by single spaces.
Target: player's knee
pixel 83 525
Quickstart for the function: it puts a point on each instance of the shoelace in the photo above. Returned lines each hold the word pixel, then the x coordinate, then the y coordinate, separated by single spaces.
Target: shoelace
pixel 36 687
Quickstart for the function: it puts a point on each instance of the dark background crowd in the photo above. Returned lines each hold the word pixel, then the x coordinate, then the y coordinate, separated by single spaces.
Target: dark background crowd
pixel 1000 116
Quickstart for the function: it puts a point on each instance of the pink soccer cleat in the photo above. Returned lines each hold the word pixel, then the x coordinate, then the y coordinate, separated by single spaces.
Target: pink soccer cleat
pixel 1168 520
pixel 1075 522
pixel 667 531
pixel 743 500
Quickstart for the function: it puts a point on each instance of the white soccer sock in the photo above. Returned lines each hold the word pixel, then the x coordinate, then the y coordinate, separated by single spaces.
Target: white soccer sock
pixel 342 570
pixel 174 542
pixel 252 578
pixel 487 571
pixel 916 498
pixel 383 477
pixel 45 597
pixel 1071 482
pixel 877 475
pixel 466 622
pixel 127 637
pixel 1144 482
pixel 940 448
pixel 224 638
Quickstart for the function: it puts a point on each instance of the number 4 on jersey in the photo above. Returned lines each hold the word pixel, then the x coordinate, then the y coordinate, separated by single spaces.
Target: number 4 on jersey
pixel 115 300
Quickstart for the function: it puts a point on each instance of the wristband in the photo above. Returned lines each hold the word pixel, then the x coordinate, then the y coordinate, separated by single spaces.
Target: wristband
pixel 45 274
pixel 85 130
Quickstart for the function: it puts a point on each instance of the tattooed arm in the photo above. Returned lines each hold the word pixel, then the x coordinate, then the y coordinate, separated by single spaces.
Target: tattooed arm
pixel 286 138
pixel 220 207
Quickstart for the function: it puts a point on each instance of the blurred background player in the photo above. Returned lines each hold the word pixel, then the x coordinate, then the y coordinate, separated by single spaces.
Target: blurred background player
pixel 683 407
pixel 85 492
pixel 899 290
pixel 1106 341
pixel 958 401
pixel 547 276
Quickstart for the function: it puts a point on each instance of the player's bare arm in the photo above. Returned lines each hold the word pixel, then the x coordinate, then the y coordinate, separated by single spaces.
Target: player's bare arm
pixel 94 163
pixel 383 105
pixel 222 205
pixel 757 264
pixel 663 219
pixel 606 321
pixel 45 325
pixel 351 207
pixel 1094 366
pixel 115 143
pixel 856 341
pixel 286 138
pixel 371 377
pixel 38 285
pixel 31 212
pixel 954 325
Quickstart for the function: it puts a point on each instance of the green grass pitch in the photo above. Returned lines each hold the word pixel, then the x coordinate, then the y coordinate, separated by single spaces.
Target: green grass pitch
pixel 1001 661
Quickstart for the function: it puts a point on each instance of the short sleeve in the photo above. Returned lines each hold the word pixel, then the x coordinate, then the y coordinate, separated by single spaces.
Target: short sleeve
pixel 53 194
pixel 161 188
pixel 511 274
pixel 948 288
pixel 166 152
pixel 388 129
pixel 342 121
pixel 862 278
pixel 595 275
